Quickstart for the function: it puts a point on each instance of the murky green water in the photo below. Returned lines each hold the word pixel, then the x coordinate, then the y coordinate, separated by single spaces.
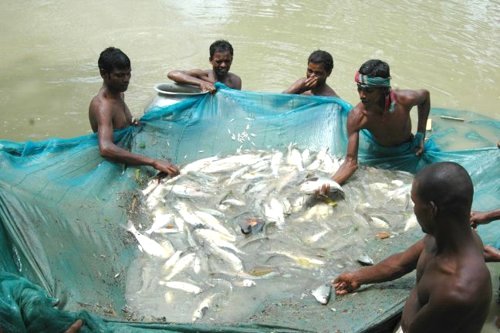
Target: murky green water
pixel 50 49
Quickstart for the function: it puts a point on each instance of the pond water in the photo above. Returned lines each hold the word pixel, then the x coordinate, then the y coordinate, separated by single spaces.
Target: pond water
pixel 50 49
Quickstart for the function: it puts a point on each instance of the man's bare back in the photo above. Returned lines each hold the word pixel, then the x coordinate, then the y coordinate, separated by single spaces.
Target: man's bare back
pixel 456 284
pixel 453 286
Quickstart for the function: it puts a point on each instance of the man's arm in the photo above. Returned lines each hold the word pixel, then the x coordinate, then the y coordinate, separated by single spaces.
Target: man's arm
pixel 388 269
pixel 477 218
pixel 420 98
pixel 302 85
pixel 109 150
pixel 350 164
pixel 195 77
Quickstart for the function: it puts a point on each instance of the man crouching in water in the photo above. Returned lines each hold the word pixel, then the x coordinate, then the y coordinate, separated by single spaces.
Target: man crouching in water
pixel 385 113
pixel 453 286
pixel 108 112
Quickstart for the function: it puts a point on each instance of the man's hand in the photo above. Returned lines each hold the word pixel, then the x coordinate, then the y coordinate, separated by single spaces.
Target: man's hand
pixel 477 218
pixel 345 283
pixel 491 254
pixel 322 191
pixel 419 149
pixel 135 122
pixel 75 327
pixel 310 82
pixel 207 86
pixel 166 167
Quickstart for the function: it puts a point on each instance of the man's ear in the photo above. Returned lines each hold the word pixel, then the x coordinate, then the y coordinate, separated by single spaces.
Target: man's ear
pixel 434 208
pixel 102 72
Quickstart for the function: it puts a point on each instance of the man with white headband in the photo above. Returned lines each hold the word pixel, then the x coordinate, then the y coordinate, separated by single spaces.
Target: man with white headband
pixel 385 114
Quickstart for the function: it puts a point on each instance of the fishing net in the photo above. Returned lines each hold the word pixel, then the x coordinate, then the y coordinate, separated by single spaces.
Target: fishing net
pixel 64 210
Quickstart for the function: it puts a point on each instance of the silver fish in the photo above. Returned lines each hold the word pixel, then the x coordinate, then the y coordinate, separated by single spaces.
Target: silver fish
pixel 275 163
pixel 186 191
pixel 160 221
pixel 149 245
pixel 198 164
pixel 174 258
pixel 228 257
pixel 323 293
pixel 312 184
pixel 379 223
pixel 294 158
pixel 231 163
pixel 215 238
pixel 181 265
pixel 184 286
pixel 365 260
pixel 274 212
pixel 202 308
pixel 213 223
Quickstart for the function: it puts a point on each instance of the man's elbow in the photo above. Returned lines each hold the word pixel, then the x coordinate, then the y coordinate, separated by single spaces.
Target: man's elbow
pixel 106 151
pixel 352 165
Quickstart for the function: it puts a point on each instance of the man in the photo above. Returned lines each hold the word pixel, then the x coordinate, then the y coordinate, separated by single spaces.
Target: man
pixel 476 218
pixel 453 285
pixel 221 58
pixel 108 112
pixel 385 113
pixel 319 68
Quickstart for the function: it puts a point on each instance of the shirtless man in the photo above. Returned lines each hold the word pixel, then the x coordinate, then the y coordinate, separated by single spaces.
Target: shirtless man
pixel 385 113
pixel 319 68
pixel 221 57
pixel 108 112
pixel 453 286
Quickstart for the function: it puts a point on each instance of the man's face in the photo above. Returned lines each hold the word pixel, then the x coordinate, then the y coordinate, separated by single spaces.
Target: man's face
pixel 118 79
pixel 221 63
pixel 423 210
pixel 317 70
pixel 371 96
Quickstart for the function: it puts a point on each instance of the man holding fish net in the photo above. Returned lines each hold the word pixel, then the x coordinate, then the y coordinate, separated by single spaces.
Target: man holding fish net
pixel 453 285
pixel 385 114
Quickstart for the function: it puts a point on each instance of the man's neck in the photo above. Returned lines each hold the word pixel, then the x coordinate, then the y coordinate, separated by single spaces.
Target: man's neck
pixel 453 236
pixel 111 93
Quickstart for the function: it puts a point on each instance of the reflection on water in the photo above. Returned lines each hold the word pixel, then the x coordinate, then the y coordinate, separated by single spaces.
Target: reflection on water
pixel 50 49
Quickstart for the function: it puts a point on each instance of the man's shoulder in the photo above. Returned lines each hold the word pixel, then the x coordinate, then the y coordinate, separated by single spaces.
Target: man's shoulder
pixel 408 96
pixel 100 104
pixel 356 119
pixel 234 77
pixel 234 81
pixel 358 112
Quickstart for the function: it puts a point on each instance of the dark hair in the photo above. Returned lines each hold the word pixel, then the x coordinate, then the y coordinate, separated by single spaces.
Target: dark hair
pixel 220 46
pixel 375 67
pixel 113 58
pixel 322 57
pixel 448 185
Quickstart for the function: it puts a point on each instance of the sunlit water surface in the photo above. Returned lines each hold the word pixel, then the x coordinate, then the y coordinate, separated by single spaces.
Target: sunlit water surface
pixel 48 58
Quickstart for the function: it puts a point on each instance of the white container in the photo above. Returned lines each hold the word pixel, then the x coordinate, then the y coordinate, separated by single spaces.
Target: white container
pixel 171 93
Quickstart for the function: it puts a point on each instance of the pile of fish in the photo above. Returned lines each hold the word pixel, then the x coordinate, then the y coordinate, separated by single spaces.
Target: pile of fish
pixel 230 233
